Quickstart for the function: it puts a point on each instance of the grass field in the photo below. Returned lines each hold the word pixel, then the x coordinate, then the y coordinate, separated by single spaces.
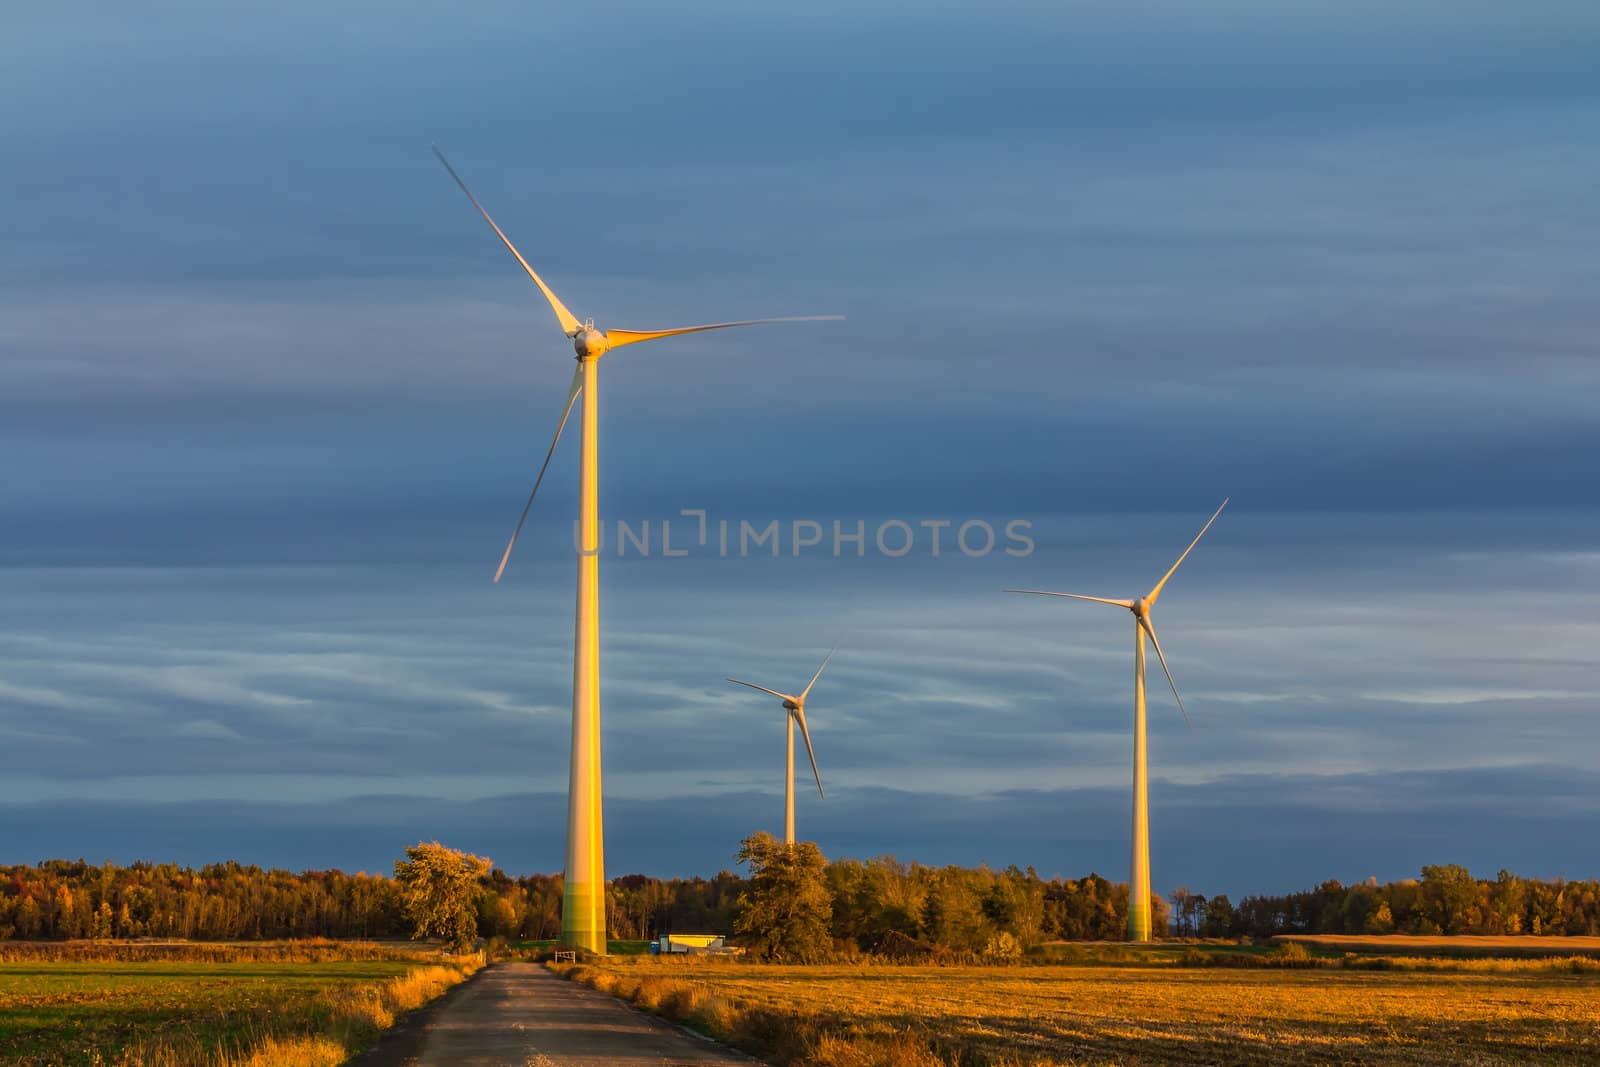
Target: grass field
pixel 307 950
pixel 1140 1014
pixel 182 1012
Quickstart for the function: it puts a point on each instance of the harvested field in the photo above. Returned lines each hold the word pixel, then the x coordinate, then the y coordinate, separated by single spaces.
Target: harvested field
pixel 1130 1015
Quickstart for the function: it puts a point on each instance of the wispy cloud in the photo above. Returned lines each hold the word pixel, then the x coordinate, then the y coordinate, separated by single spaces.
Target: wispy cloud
pixel 270 395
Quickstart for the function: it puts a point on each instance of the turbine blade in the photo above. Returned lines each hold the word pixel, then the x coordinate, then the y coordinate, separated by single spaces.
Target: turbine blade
pixel 805 733
pixel 1077 596
pixel 1156 592
pixel 1156 641
pixel 807 690
pixel 764 689
pixel 572 395
pixel 569 322
pixel 618 338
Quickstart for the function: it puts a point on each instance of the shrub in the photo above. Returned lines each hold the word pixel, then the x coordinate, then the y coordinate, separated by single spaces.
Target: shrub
pixel 897 946
pixel 1002 948
pixel 1291 952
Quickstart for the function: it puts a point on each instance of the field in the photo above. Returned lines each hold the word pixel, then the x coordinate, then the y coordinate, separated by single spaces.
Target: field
pixel 180 1011
pixel 1435 1012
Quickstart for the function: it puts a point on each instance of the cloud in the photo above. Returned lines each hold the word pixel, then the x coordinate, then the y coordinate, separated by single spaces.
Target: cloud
pixel 1262 833
pixel 269 395
pixel 1373 661
pixel 208 729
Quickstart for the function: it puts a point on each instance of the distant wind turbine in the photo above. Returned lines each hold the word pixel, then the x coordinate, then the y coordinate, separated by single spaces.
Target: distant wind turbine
pixel 795 707
pixel 583 906
pixel 1139 883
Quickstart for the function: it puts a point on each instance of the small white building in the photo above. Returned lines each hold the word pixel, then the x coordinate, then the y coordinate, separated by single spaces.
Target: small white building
pixel 678 944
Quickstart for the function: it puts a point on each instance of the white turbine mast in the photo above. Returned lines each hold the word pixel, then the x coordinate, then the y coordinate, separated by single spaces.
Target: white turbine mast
pixel 583 904
pixel 795 708
pixel 1139 882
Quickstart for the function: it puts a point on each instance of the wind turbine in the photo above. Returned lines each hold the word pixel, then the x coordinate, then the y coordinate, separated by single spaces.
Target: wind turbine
pixel 1139 883
pixel 795 706
pixel 583 905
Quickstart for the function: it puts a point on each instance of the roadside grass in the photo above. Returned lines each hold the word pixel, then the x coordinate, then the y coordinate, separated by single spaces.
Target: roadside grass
pixel 1139 1014
pixel 178 1013
pixel 614 948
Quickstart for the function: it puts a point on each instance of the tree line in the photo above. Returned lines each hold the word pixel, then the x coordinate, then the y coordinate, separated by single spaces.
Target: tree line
pixel 874 905
pixel 1447 899
pixel 64 899
pixel 952 906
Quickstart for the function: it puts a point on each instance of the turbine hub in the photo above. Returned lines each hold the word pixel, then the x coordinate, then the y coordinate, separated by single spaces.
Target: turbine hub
pixel 589 343
pixel 1141 609
pixel 791 705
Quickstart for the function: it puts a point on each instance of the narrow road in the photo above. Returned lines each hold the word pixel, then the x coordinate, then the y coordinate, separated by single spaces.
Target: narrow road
pixel 521 1014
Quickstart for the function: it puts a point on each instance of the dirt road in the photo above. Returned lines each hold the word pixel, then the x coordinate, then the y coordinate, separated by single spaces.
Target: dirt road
pixel 521 1014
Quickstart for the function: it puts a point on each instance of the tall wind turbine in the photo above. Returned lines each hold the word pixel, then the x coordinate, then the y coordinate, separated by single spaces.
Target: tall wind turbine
pixel 583 906
pixel 795 707
pixel 1139 883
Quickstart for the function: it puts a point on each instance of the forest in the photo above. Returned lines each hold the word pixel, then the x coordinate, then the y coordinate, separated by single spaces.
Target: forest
pixel 875 903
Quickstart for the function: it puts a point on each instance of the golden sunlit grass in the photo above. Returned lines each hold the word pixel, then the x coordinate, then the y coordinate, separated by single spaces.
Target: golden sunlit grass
pixel 869 1015
pixel 174 1013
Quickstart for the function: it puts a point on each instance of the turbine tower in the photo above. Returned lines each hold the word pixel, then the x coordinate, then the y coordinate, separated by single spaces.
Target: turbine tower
pixel 1139 882
pixel 795 706
pixel 583 905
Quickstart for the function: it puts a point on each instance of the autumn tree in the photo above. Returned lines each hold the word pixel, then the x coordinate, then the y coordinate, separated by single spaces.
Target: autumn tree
pixel 784 913
pixel 1218 920
pixel 953 915
pixel 1015 904
pixel 439 887
pixel 1450 894
pixel 1184 906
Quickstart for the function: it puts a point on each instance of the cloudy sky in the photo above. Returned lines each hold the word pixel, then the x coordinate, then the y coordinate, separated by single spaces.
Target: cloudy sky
pixel 271 395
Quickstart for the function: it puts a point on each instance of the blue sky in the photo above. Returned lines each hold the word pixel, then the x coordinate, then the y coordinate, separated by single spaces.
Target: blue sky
pixel 270 396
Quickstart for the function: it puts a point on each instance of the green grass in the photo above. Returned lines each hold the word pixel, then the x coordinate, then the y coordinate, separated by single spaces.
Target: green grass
pixel 84 1013
pixel 1160 952
pixel 628 948
pixel 1467 946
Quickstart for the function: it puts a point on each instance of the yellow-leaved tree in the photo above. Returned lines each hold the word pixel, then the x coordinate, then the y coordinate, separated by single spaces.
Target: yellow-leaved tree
pixel 785 914
pixel 439 887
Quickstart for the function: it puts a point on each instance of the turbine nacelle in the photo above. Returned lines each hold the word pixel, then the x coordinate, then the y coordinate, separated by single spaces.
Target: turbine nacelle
pixel 1141 608
pixel 590 343
pixel 794 706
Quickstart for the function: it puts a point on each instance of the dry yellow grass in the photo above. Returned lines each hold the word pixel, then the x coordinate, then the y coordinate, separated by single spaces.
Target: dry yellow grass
pixel 302 1051
pixel 1142 1015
